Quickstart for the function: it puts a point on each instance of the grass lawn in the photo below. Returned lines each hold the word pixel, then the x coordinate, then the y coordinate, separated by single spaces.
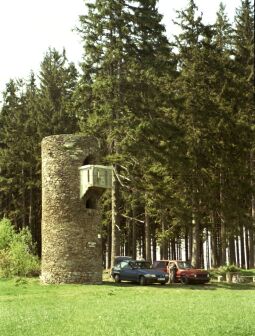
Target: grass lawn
pixel 28 308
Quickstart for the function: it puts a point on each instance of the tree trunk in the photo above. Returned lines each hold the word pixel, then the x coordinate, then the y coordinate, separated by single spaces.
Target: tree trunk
pixel 128 243
pixel 190 243
pixel 232 256
pixel 251 231
pixel 251 248
pixel 134 240
pixel 134 230
pixel 247 250
pixel 242 250
pixel 115 250
pixel 207 253
pixel 147 237
pixel 163 247
pixel 23 197
pixel 186 244
pixel 222 226
pixel 143 245
pixel 214 249
pixel 108 248
pixel 154 247
pixel 237 251
pixel 30 206
pixel 174 256
pixel 223 243
pixel 195 260
pixel 215 241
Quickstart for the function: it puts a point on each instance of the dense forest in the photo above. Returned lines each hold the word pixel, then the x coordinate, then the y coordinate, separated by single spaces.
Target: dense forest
pixel 175 117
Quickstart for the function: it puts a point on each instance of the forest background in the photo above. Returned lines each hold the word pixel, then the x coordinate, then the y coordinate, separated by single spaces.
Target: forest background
pixel 174 116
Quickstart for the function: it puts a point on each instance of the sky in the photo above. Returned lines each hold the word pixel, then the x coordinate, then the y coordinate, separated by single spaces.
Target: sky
pixel 29 27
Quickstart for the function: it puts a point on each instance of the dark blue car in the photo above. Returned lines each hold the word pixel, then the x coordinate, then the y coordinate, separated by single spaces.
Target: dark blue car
pixel 138 271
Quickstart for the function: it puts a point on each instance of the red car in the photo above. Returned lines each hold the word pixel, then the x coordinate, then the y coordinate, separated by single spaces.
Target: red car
pixel 182 271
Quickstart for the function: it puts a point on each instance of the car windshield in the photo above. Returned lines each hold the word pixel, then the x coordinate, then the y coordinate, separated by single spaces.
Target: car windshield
pixel 184 265
pixel 160 264
pixel 142 264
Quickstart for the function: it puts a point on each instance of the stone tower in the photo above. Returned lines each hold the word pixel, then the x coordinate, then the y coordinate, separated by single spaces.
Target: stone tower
pixel 71 240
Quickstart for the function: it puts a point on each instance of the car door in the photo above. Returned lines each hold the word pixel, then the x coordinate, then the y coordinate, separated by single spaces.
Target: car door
pixel 126 271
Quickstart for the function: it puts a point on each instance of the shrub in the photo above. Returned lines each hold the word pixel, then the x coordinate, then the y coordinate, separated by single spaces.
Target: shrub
pixel 5 264
pixel 229 268
pixel 6 233
pixel 17 256
pixel 22 262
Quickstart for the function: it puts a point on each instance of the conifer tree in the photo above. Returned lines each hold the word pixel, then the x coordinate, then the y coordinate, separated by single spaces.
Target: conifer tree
pixel 33 141
pixel 28 114
pixel 12 155
pixel 224 129
pixel 126 59
pixel 192 46
pixel 244 60
pixel 18 155
pixel 58 79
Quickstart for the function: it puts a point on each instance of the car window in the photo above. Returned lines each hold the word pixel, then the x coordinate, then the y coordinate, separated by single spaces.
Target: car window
pixel 161 264
pixel 119 259
pixel 143 264
pixel 184 265
pixel 125 265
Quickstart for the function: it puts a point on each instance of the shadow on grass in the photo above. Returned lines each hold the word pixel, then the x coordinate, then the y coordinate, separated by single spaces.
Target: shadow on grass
pixel 206 287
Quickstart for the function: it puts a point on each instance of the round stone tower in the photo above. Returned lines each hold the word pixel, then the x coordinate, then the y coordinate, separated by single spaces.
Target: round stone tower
pixel 71 240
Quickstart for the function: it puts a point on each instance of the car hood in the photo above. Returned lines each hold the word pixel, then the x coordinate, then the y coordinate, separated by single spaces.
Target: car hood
pixel 193 271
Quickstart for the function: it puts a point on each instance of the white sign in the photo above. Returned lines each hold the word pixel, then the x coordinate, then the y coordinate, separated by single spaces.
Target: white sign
pixel 91 244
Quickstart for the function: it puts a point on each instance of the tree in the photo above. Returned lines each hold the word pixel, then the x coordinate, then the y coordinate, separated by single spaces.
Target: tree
pixel 244 60
pixel 13 155
pixel 192 86
pixel 58 80
pixel 20 157
pixel 126 60
pixel 28 114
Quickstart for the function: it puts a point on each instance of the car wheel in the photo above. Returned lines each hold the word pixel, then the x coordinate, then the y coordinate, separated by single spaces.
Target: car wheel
pixel 142 281
pixel 163 283
pixel 117 278
pixel 184 280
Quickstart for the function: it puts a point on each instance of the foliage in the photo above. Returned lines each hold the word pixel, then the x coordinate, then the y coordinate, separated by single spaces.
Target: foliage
pixel 222 270
pixel 17 252
pixel 175 118
pixel 6 234
pixel 31 111
pixel 228 268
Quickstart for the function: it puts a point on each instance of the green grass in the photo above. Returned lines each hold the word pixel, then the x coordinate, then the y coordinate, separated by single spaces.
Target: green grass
pixel 31 309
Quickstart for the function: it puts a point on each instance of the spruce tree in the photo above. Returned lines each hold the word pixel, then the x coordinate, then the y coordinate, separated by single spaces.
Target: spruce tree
pixel 126 59
pixel 193 87
pixel 34 157
pixel 244 106
pixel 28 114
pixel 17 155
pixel 56 114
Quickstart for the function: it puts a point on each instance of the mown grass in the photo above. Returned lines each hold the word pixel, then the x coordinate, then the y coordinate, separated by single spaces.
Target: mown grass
pixel 29 308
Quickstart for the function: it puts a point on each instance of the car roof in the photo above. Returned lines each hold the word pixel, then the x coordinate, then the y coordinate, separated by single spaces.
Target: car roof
pixel 168 260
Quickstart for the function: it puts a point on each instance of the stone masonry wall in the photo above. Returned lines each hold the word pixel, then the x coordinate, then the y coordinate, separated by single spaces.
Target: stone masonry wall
pixel 71 241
